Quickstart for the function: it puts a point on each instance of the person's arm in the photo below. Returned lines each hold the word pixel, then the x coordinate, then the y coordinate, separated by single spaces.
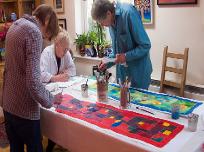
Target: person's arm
pixel 105 64
pixel 44 66
pixel 62 77
pixel 70 66
pixel 139 36
pixel 33 83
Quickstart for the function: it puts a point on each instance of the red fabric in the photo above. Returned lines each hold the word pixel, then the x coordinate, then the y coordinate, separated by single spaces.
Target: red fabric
pixel 155 131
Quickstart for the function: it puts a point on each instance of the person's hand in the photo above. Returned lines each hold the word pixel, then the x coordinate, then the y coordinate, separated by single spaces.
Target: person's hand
pixel 120 58
pixel 57 99
pixel 65 71
pixel 102 66
pixel 63 77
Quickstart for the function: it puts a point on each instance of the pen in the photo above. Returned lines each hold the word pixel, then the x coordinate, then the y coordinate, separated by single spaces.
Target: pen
pixel 62 87
pixel 145 110
pixel 100 64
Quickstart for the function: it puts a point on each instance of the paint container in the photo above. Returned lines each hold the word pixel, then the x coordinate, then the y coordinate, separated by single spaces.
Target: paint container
pixel 84 90
pixel 102 91
pixel 192 122
pixel 175 108
pixel 13 17
pixel 124 97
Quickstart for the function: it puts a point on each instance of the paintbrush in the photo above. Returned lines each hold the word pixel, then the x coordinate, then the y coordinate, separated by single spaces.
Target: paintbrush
pixel 144 110
pixel 87 81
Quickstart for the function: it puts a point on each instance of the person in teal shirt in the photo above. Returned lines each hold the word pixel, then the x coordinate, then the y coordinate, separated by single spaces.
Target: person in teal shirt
pixel 130 42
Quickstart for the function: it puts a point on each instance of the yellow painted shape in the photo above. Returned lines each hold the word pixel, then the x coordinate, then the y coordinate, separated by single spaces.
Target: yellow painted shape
pixel 167 132
pixel 183 107
pixel 166 124
pixel 141 123
pixel 118 121
pixel 155 102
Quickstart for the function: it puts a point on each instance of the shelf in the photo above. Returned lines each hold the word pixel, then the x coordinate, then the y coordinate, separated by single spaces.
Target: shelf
pixel 27 1
pixel 8 1
pixel 87 57
pixel 2 63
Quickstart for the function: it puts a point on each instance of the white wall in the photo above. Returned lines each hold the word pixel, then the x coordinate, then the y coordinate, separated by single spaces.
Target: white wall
pixel 179 27
pixel 69 14
pixel 176 26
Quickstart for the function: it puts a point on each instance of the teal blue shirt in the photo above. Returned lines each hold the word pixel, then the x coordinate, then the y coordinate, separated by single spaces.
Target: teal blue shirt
pixel 129 37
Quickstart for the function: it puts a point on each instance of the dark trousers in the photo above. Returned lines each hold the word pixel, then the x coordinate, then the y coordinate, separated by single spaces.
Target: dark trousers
pixel 50 146
pixel 23 131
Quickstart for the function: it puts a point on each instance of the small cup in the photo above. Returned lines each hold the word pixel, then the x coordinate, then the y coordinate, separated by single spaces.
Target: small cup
pixel 84 90
pixel 192 122
pixel 175 108
pixel 13 16
pixel 124 97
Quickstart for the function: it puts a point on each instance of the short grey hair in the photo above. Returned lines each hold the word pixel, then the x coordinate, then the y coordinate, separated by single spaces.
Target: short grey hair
pixel 100 9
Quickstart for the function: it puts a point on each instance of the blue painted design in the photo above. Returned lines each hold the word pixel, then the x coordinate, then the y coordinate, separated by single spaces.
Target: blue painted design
pixel 159 97
pixel 116 124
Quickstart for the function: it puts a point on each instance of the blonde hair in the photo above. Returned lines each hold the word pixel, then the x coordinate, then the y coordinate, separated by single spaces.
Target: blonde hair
pixel 63 35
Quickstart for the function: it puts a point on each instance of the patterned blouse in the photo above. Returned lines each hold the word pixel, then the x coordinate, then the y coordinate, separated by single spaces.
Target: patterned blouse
pixel 23 93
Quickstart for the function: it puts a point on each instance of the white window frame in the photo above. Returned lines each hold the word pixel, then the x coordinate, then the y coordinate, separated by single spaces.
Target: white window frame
pixel 82 14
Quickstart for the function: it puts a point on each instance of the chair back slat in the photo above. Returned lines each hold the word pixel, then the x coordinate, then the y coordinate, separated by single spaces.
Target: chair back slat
pixel 181 71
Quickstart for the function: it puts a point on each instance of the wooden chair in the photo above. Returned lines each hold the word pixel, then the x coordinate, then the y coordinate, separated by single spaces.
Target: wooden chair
pixel 181 71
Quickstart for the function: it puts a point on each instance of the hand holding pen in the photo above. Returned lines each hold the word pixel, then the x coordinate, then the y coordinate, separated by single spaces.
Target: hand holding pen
pixel 103 63
pixel 58 98
pixel 102 66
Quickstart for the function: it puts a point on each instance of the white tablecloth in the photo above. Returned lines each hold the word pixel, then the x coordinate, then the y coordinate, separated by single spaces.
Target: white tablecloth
pixel 80 136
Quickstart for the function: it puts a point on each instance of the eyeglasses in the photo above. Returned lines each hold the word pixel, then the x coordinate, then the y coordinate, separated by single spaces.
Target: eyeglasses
pixel 59 45
pixel 66 50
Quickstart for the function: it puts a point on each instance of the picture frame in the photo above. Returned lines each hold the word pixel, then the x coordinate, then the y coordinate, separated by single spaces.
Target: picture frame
pixel 58 6
pixel 175 2
pixel 145 8
pixel 63 23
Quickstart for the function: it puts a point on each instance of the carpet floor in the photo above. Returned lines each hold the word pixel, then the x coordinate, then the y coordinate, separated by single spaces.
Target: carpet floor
pixel 57 148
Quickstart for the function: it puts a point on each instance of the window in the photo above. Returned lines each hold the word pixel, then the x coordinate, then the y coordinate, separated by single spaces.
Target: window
pixel 83 19
pixel 82 15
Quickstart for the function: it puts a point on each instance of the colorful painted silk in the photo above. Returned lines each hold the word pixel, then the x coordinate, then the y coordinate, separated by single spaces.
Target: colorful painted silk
pixel 158 101
pixel 155 131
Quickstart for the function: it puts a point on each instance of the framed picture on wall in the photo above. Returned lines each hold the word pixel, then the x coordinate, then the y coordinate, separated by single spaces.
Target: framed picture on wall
pixel 145 9
pixel 173 2
pixel 63 23
pixel 59 6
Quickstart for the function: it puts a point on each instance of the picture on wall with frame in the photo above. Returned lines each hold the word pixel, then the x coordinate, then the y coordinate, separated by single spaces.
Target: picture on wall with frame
pixel 145 9
pixel 59 6
pixel 63 23
pixel 175 2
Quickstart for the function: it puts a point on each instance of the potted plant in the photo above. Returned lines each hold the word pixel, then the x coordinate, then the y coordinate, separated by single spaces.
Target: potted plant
pixel 101 40
pixel 91 41
pixel 80 42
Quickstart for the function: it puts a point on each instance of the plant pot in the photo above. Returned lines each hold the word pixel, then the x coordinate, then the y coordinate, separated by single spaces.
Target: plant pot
pixel 90 50
pixel 100 50
pixel 81 49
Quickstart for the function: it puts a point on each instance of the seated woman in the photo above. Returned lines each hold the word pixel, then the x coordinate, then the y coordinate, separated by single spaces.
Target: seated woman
pixel 56 63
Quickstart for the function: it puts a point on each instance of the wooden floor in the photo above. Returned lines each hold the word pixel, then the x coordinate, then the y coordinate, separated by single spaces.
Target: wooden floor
pixel 56 149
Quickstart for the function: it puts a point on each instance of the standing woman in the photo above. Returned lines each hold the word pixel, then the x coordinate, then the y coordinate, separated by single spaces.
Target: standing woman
pixel 23 92
pixel 130 42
